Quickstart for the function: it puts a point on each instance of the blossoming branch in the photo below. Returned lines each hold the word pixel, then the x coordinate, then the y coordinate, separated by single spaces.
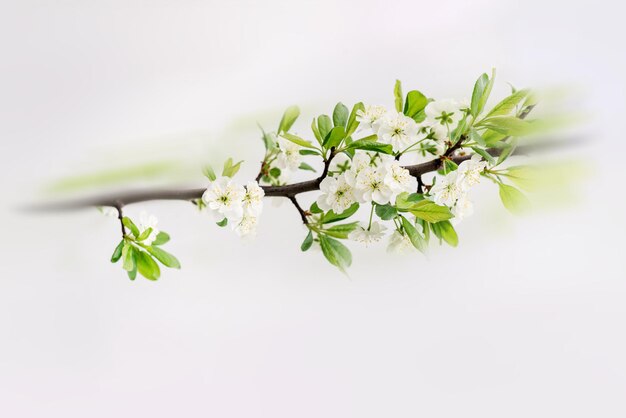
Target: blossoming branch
pixel 364 151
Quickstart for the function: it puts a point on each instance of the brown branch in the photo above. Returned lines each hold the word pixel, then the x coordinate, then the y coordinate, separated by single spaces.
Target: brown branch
pixel 289 190
pixel 303 213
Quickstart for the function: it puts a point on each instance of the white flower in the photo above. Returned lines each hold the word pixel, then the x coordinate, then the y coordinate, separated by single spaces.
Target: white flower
pixel 446 191
pixel 469 172
pixel 371 184
pixel 224 198
pixel 399 243
pixel 253 199
pixel 289 156
pixel 443 116
pixel 367 236
pixel 463 208
pixel 398 130
pixel 399 179
pixel 148 221
pixel 246 227
pixel 337 194
pixel 370 117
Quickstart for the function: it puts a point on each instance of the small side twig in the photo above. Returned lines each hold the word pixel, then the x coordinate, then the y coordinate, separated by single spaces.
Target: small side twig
pixel 302 212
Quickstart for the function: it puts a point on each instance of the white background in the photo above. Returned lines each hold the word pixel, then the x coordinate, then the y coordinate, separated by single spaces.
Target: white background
pixel 525 318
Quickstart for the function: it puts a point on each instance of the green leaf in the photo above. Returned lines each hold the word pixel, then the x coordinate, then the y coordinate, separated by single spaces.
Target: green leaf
pixel 335 252
pixel 145 234
pixel 209 173
pixel 132 274
pixel 117 254
pixel 508 105
pixel 308 241
pixel 315 209
pixel 406 201
pixel 514 200
pixel 506 152
pixel 275 172
pixel 340 115
pixel 482 90
pixel 268 141
pixel 386 212
pixel 353 124
pixel 331 216
pixel 415 103
pixel 231 169
pixel 309 152
pixel 444 230
pixel 324 125
pixel 161 238
pixel 128 257
pixel 488 157
pixel 146 266
pixel 222 223
pixel 128 223
pixel 297 140
pixel 316 131
pixel 425 229
pixel 507 125
pixel 335 137
pixel 370 145
pixel 167 259
pixel 341 231
pixel 416 238
pixel 288 119
pixel 397 92
pixel 430 211
pixel 305 166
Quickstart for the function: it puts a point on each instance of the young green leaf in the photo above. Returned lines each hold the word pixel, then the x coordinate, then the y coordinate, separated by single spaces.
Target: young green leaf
pixel 305 166
pixel 341 231
pixel 222 223
pixel 335 137
pixel 209 173
pixel 316 131
pixel 397 92
pixel 128 223
pixel 309 152
pixel 297 140
pixel 507 125
pixel 445 231
pixel 386 212
pixel 514 200
pixel 416 238
pixel 370 145
pixel 488 157
pixel 353 124
pixel 288 119
pixel 146 266
pixel 128 257
pixel 231 169
pixel 308 241
pixel 430 211
pixel 335 252
pixel 340 115
pixel 132 274
pixel 482 90
pixel 331 216
pixel 117 254
pixel 415 103
pixel 167 259
pixel 145 234
pixel 161 238
pixel 324 125
pixel 508 105
pixel 315 209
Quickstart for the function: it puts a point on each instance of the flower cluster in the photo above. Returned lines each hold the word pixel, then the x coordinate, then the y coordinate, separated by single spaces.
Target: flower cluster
pixel 374 178
pixel 402 132
pixel 233 203
pixel 452 190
